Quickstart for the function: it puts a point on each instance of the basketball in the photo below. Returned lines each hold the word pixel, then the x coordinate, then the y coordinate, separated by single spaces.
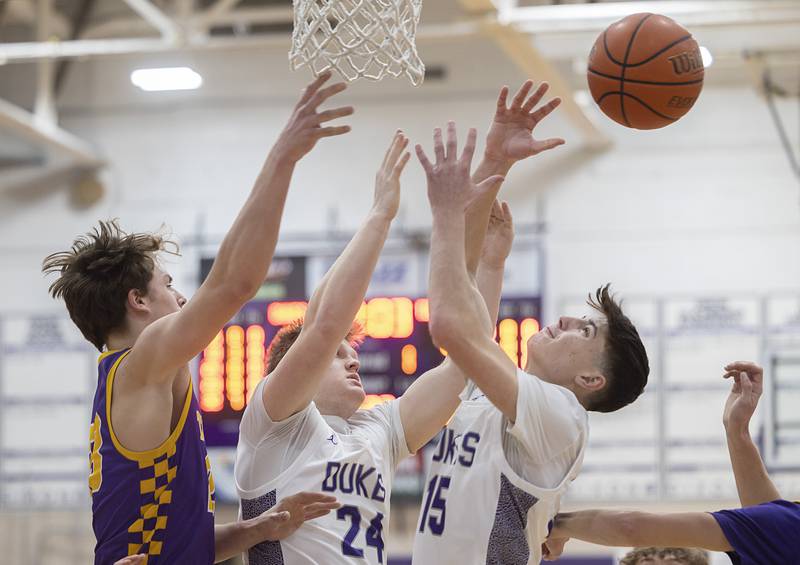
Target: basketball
pixel 645 71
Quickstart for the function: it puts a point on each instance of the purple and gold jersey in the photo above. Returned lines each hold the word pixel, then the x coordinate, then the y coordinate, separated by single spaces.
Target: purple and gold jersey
pixel 158 502
pixel 765 534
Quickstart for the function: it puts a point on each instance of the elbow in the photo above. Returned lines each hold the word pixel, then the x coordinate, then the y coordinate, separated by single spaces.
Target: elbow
pixel 444 329
pixel 242 291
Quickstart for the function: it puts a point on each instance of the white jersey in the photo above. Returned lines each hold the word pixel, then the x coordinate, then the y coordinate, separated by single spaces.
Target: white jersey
pixel 481 504
pixel 353 460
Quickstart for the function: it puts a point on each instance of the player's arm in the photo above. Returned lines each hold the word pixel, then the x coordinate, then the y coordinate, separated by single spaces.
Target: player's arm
pixel 637 529
pixel 430 401
pixel 459 319
pixel 275 524
pixel 510 140
pixel 752 481
pixel 333 307
pixel 246 252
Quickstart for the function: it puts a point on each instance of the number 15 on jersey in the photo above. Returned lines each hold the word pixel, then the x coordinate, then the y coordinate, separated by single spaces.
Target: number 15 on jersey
pixel 434 512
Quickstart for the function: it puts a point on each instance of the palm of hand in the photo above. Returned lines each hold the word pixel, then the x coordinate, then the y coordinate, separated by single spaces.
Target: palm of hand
pixel 511 138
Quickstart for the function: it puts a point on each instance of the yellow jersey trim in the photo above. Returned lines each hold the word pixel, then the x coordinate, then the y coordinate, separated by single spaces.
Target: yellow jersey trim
pixel 150 454
pixel 105 354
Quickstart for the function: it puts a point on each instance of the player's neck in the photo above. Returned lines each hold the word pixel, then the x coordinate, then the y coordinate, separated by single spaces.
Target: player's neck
pixel 123 339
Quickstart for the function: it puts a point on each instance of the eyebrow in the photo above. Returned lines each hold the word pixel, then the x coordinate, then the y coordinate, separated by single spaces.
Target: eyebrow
pixel 169 277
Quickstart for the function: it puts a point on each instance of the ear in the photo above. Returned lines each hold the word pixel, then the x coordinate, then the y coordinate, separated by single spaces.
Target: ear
pixel 137 302
pixel 591 382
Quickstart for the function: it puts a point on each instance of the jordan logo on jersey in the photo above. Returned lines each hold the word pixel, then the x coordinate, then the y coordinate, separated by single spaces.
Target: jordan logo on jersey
pixel 354 477
pixel 457 448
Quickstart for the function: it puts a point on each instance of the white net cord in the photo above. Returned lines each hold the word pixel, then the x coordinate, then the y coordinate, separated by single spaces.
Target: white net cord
pixel 358 38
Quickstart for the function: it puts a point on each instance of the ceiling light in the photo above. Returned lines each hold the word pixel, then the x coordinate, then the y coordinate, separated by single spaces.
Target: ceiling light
pixel 167 78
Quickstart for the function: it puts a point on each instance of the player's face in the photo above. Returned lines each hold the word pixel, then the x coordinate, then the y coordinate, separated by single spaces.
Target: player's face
pixel 340 391
pixel 162 297
pixel 569 348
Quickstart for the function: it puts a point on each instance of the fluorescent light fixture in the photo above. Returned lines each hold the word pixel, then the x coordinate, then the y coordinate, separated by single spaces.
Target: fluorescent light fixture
pixel 167 78
pixel 707 57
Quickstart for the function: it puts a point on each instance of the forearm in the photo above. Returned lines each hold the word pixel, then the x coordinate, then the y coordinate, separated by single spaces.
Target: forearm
pixel 342 290
pixel 246 252
pixel 490 284
pixel 454 301
pixel 752 481
pixel 233 539
pixel 478 213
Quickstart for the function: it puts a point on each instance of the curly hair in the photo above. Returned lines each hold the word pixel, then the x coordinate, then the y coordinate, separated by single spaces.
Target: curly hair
pixel 288 334
pixel 626 361
pixel 96 274
pixel 681 556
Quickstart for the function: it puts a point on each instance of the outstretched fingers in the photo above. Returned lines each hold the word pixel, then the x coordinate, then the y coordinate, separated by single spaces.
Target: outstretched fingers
pixel 545 110
pixel 452 141
pixel 469 147
pixel 522 94
pixel 502 100
pixel 334 114
pixel 322 95
pixel 312 88
pixel 423 159
pixel 438 146
pixel 536 97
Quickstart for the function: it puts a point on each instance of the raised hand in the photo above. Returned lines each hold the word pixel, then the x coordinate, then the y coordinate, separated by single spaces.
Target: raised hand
pixel 499 236
pixel 305 125
pixel 449 184
pixel 511 136
pixel 748 384
pixel 387 182
pixel 291 512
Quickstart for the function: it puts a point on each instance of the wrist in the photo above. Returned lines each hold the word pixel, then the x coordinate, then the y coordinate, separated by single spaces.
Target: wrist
pixel 380 217
pixel 279 156
pixel 736 432
pixel 495 165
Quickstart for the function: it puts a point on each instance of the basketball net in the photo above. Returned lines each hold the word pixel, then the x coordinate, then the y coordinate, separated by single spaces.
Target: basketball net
pixel 358 38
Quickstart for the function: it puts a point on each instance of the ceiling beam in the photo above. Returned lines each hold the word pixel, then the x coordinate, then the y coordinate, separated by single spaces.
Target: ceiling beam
pixel 153 15
pixel 28 126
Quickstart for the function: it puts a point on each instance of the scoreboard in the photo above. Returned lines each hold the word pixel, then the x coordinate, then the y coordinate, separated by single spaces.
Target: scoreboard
pixel 397 347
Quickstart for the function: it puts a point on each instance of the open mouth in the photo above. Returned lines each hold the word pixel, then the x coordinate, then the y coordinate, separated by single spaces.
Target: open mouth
pixel 354 377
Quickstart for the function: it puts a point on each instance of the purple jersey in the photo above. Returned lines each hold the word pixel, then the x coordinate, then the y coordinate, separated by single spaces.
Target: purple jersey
pixel 158 502
pixel 765 534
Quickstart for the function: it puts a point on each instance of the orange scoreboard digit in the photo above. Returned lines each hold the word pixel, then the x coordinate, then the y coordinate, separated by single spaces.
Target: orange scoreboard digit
pixel 396 350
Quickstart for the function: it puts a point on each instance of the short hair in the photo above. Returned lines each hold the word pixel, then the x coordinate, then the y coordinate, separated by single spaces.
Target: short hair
pixel 683 556
pixel 289 333
pixel 625 362
pixel 96 274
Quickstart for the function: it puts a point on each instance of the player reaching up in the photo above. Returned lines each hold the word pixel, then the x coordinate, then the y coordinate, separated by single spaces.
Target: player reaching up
pixel 518 438
pixel 303 430
pixel 150 478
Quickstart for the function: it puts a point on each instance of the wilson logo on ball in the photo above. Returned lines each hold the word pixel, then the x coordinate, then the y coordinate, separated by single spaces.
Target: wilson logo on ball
pixel 687 62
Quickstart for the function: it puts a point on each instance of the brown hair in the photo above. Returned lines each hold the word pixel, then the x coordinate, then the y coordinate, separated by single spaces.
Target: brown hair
pixel 626 363
pixel 681 555
pixel 288 334
pixel 97 273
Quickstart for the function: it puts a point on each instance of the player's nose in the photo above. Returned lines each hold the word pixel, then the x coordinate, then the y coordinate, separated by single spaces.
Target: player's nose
pixel 352 365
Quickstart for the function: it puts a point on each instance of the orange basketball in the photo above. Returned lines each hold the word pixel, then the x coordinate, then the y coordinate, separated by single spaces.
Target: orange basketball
pixel 645 71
